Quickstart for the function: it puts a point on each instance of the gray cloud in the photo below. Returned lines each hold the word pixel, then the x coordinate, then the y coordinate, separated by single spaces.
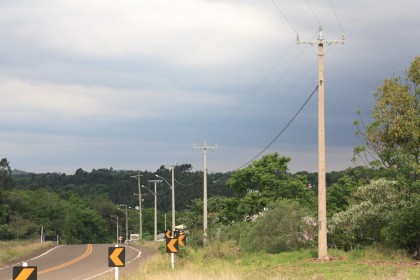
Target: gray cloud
pixel 134 84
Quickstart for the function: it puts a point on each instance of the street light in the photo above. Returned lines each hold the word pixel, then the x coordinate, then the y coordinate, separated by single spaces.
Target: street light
pixel 155 194
pixel 116 216
pixel 173 208
pixel 126 220
pixel 173 198
pixel 140 216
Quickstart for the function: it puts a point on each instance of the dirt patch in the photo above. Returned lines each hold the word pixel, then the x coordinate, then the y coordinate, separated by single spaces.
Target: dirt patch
pixel 328 259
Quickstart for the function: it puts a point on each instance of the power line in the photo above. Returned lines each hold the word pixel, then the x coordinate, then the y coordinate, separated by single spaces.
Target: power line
pixel 339 23
pixel 281 132
pixel 313 12
pixel 276 100
pixel 284 16
pixel 186 185
pixel 256 104
pixel 265 78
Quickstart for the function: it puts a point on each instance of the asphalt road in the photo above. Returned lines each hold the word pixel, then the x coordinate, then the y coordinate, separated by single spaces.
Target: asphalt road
pixel 79 262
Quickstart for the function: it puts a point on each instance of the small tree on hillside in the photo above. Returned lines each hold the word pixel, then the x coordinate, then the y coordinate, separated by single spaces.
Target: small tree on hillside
pixel 393 138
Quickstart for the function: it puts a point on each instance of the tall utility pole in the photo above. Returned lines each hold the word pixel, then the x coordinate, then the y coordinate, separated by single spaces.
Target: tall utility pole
pixel 140 216
pixel 204 148
pixel 155 194
pixel 322 189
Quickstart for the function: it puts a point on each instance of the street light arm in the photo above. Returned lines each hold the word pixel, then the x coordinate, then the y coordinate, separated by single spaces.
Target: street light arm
pixel 164 180
pixel 149 190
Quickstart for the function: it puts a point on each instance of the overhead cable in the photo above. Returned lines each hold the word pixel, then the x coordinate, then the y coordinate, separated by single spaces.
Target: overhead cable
pixel 284 16
pixel 281 132
pixel 339 23
pixel 179 183
pixel 313 12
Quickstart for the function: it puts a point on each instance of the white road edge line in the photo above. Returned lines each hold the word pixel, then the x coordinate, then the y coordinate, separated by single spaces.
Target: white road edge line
pixel 109 270
pixel 34 258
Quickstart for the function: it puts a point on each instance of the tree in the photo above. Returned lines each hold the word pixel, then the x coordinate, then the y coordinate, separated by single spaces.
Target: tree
pixel 19 226
pixel 404 229
pixel 339 194
pixel 268 177
pixel 5 174
pixel 393 138
pixel 393 141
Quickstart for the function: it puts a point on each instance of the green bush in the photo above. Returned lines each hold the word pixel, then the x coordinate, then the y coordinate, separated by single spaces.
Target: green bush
pixel 404 230
pixel 285 226
pixel 237 232
pixel 221 250
pixel 375 205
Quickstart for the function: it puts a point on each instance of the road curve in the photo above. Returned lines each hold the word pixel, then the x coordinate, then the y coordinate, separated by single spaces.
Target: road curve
pixel 78 262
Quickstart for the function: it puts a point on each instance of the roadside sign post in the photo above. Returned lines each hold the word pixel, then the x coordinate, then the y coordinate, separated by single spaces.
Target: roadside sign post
pixel 116 258
pixel 25 272
pixel 172 248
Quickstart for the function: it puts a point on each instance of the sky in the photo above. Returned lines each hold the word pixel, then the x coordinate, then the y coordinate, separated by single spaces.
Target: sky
pixel 135 84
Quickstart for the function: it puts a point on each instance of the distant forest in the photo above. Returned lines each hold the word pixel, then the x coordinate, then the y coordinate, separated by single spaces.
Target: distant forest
pixel 81 207
pixel 120 187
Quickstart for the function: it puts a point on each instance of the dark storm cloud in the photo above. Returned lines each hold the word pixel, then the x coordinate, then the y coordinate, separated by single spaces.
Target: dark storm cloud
pixel 133 84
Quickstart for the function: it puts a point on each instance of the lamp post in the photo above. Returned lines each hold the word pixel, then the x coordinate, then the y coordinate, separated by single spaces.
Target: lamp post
pixel 155 194
pixel 126 220
pixel 140 216
pixel 173 198
pixel 113 216
pixel 173 208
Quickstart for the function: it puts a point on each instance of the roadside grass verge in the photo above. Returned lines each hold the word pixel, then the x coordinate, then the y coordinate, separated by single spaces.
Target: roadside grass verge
pixel 11 251
pixel 227 263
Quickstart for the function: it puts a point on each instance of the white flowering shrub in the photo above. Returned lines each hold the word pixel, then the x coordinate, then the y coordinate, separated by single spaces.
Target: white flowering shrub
pixel 375 205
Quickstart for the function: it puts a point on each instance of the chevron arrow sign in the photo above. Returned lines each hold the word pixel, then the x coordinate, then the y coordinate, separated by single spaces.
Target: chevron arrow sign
pixel 116 256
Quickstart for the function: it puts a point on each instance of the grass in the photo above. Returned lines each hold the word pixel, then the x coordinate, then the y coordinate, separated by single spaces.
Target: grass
pixel 15 250
pixel 372 263
pixel 223 261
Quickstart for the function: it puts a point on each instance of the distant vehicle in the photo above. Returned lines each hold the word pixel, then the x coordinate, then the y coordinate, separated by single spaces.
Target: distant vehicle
pixel 128 241
pixel 181 227
pixel 134 237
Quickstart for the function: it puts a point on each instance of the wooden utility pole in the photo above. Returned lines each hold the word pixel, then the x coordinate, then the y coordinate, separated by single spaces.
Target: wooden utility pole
pixel 322 189
pixel 204 148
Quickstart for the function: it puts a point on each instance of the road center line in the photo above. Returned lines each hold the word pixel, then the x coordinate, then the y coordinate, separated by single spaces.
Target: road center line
pixel 84 255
